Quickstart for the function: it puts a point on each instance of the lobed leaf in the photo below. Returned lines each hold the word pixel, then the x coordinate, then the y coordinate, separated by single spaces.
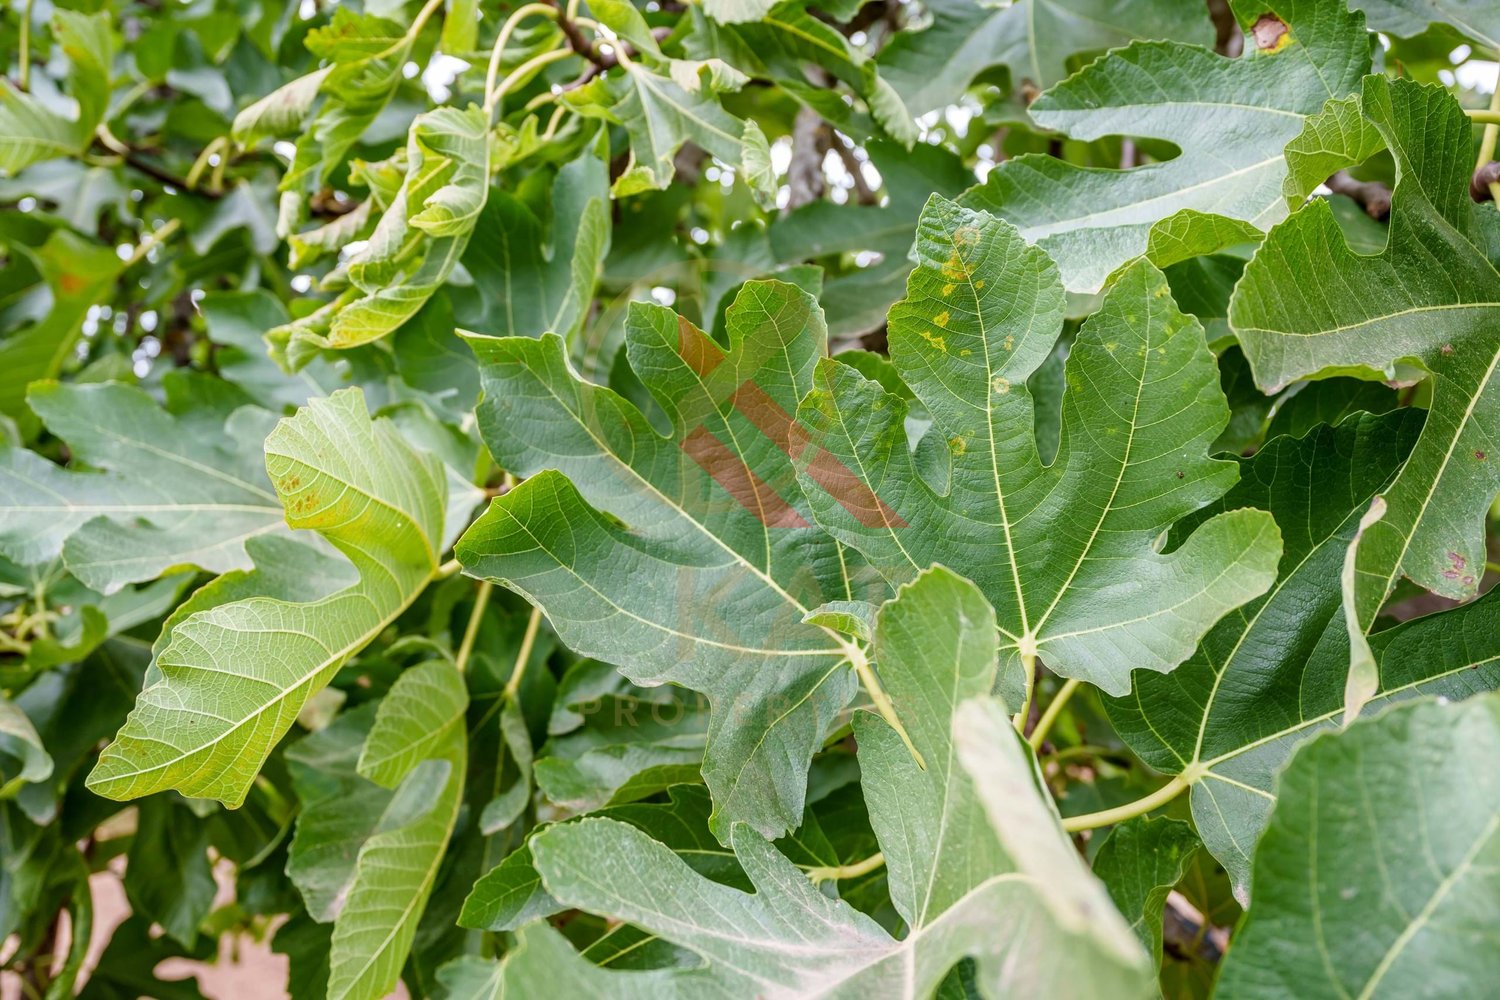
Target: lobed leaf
pixel 627 556
pixel 233 676
pixel 1229 119
pixel 1064 551
pixel 165 488
pixel 1398 316
pixel 1377 875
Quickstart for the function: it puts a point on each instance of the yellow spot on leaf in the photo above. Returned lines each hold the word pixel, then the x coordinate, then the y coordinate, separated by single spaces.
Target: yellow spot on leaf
pixel 1000 384
pixel 935 340
pixel 947 290
pixel 957 445
pixel 941 319
pixel 954 269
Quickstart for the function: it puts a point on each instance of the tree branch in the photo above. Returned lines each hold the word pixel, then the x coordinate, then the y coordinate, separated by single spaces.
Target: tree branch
pixel 1372 196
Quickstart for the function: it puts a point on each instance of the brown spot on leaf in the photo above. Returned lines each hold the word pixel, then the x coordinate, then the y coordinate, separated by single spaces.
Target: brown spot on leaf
pixel 1479 455
pixel 1447 350
pixel 1270 33
pixel 1180 474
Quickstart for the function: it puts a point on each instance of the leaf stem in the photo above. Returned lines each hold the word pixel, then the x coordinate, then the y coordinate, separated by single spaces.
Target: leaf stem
pixel 1079 750
pixel 151 242
pixel 24 77
pixel 1491 134
pixel 1054 709
pixel 1119 814
pixel 513 685
pixel 554 122
pixel 1028 665
pixel 881 700
pixel 520 74
pixel 423 16
pixel 832 873
pixel 506 30
pixel 1486 117
pixel 448 568
pixel 201 163
pixel 466 647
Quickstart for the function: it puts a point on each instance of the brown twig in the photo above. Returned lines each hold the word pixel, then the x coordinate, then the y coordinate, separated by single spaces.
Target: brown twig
pixel 1481 188
pixel 1229 40
pixel 580 43
pixel 804 176
pixel 328 204
pixel 134 159
pixel 1372 196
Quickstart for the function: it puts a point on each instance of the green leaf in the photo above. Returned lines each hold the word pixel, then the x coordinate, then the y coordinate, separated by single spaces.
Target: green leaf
pixel 339 811
pixel 74 274
pixel 1065 552
pixel 415 245
pixel 629 555
pixel 365 54
pixel 954 878
pixel 460 26
pixel 163 489
pixel 777 44
pixel 659 115
pixel 522 285
pixel 168 878
pixel 280 112
pixel 737 11
pixel 375 499
pixel 23 759
pixel 1140 862
pixel 1477 19
pixel 627 749
pixel 416 721
pixel 1339 136
pixel 30 131
pixel 398 866
pixel 1272 674
pixel 1388 316
pixel 1230 119
pixel 511 895
pixel 1327 401
pixel 1036 40
pixel 1379 873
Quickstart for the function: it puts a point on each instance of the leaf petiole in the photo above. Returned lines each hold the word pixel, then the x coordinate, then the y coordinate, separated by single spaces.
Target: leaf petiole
pixel 471 632
pixel 492 74
pixel 1054 709
pixel 523 656
pixel 834 873
pixel 881 700
pixel 1119 814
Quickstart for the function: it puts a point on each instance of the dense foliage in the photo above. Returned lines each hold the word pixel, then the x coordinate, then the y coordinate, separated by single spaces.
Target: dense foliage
pixel 750 497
